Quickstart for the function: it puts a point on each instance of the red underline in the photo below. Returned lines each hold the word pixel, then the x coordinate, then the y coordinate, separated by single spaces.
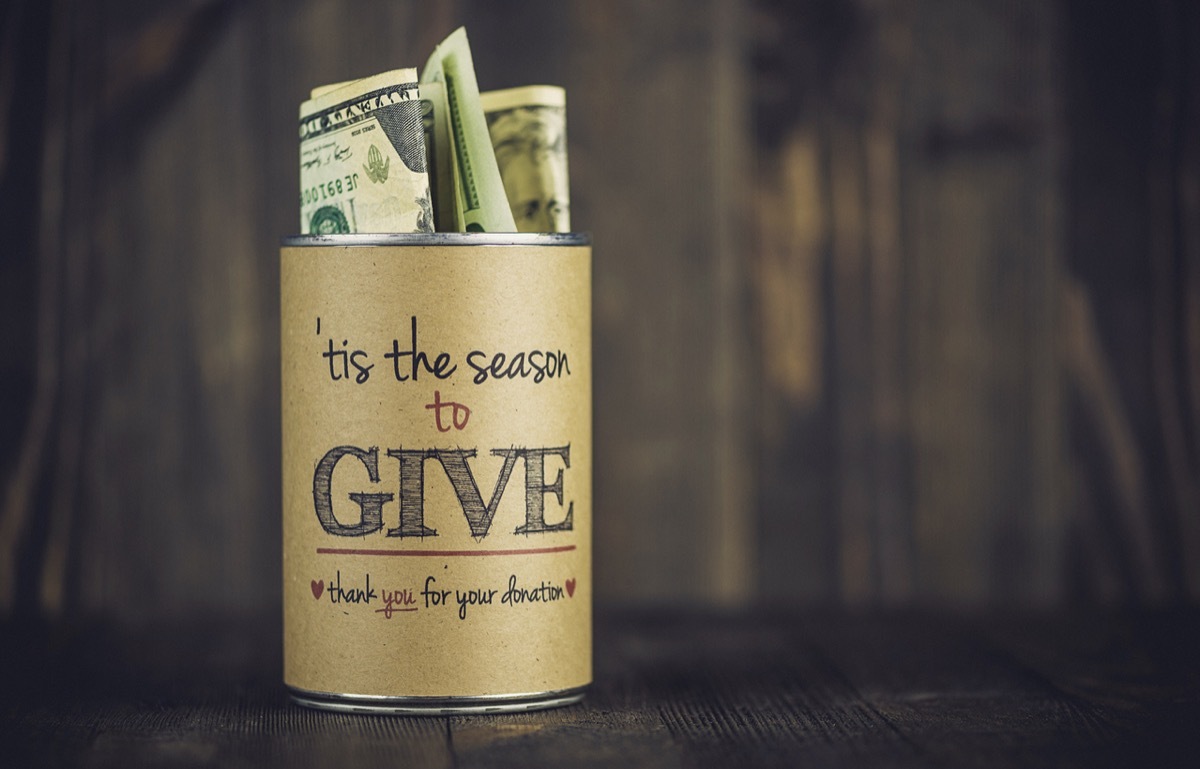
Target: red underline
pixel 432 553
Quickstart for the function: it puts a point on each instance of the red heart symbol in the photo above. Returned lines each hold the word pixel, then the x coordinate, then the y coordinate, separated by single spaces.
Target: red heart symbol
pixel 318 587
pixel 571 587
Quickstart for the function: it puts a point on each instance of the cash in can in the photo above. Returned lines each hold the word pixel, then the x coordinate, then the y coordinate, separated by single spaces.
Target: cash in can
pixel 437 471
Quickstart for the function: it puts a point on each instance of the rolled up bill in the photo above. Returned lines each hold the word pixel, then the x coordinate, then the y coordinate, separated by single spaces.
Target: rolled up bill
pixel 362 158
pixel 528 127
pixel 482 203
pixel 439 154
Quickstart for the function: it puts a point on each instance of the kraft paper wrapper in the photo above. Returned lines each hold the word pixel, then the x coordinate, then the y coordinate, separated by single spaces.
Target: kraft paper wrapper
pixel 490 298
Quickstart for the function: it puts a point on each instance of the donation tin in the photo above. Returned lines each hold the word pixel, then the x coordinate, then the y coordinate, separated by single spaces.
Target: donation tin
pixel 437 471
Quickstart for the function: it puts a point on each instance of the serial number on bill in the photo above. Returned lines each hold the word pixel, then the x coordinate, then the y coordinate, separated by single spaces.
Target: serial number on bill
pixel 329 189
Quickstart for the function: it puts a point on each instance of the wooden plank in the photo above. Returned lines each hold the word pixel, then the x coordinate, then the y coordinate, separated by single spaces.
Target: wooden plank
pixel 1132 296
pixel 594 734
pixel 936 321
pixel 192 694
pixel 1186 158
pixel 35 318
pixel 27 49
pixel 1173 294
pixel 798 528
pixel 984 243
pixel 673 689
pixel 181 438
pixel 944 684
pixel 1134 670
pixel 755 693
pixel 644 168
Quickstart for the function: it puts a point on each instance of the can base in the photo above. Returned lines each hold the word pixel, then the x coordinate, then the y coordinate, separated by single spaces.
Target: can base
pixel 435 706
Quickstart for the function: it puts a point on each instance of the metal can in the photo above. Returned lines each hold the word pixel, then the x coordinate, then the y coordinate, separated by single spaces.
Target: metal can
pixel 437 471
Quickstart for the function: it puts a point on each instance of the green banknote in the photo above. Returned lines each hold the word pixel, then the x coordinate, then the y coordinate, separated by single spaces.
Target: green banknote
pixel 528 128
pixel 439 154
pixel 482 205
pixel 363 157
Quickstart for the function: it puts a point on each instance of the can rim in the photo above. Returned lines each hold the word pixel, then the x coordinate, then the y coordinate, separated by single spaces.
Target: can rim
pixel 441 239
pixel 432 706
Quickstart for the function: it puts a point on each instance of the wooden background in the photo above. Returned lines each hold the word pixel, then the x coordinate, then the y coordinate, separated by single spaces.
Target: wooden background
pixel 896 302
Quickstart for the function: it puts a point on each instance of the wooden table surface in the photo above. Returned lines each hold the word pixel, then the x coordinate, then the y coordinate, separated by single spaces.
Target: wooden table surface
pixel 678 689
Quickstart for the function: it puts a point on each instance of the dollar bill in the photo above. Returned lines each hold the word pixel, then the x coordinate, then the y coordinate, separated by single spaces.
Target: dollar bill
pixel 439 154
pixel 482 202
pixel 528 128
pixel 321 90
pixel 439 150
pixel 362 158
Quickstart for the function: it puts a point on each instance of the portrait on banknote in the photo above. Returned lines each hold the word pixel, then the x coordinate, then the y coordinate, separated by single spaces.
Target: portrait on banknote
pixel 531 151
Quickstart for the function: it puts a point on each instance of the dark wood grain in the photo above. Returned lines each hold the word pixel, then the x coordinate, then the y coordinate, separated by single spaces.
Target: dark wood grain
pixel 908 214
pixel 169 174
pixel 672 690
pixel 1130 336
pixel 895 303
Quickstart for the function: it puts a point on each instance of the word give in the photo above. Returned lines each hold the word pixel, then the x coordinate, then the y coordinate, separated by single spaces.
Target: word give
pixel 412 490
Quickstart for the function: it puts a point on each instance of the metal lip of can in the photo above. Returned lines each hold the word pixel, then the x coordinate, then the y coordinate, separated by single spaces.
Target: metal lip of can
pixel 350 451
pixel 437 706
pixel 441 239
